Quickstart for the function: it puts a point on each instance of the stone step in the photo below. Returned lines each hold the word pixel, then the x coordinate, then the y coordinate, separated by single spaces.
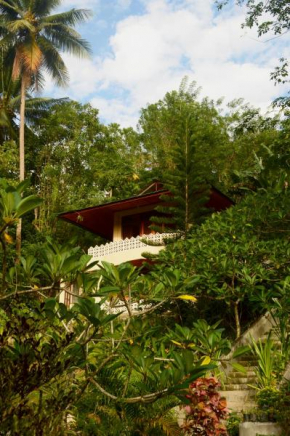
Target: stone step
pixel 250 364
pixel 238 401
pixel 250 373
pixel 236 387
pixel 241 380
pixel 247 357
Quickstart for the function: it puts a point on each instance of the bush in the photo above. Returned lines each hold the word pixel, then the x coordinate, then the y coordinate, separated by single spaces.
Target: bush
pixel 283 413
pixel 276 403
pixel 233 424
pixel 267 397
pixel 206 409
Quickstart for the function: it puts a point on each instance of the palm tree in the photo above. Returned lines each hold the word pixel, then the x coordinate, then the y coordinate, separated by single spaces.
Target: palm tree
pixel 31 42
pixel 10 106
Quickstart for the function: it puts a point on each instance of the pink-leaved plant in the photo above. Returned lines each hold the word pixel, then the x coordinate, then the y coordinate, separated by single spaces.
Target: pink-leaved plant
pixel 207 411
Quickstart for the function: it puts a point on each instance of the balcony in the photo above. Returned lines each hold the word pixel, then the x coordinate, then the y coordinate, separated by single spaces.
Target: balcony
pixel 126 250
pixel 123 250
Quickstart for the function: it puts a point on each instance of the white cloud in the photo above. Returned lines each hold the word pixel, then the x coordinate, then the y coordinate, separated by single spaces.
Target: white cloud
pixel 83 79
pixel 80 4
pixel 116 111
pixel 83 76
pixel 150 54
pixel 123 4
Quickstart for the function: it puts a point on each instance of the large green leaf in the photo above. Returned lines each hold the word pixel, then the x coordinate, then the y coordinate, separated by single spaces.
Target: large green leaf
pixel 241 350
pixel 11 201
pixel 22 186
pixel 27 204
pixel 240 368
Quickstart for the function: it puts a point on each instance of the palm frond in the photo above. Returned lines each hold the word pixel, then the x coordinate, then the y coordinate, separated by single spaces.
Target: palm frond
pixel 42 8
pixel 4 119
pixel 9 8
pixel 35 112
pixel 40 105
pixel 69 18
pixel 67 39
pixel 52 62
pixel 18 25
pixel 7 42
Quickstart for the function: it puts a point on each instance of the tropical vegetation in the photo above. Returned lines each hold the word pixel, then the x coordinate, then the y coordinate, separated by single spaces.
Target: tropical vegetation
pixel 102 366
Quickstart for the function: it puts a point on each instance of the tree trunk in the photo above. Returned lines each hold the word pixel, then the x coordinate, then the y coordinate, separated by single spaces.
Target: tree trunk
pixel 21 131
pixel 21 159
pixel 237 319
pixel 4 263
pixel 186 182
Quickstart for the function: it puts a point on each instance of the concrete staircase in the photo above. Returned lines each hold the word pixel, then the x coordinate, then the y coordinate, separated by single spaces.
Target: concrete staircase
pixel 237 386
pixel 240 396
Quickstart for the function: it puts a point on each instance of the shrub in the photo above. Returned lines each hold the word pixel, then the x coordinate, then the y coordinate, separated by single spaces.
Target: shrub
pixel 206 409
pixel 233 424
pixel 267 397
pixel 283 415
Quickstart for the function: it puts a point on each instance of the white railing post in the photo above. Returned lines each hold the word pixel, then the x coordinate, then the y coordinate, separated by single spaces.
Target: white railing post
pixel 128 244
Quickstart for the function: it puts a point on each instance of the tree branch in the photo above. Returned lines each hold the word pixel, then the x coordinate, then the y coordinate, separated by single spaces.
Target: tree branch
pixel 149 398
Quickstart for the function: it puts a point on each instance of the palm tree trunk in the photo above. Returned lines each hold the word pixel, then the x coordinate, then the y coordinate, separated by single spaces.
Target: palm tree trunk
pixel 21 131
pixel 21 159
pixel 186 182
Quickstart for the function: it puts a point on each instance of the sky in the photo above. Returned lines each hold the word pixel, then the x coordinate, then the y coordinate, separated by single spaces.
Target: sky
pixel 142 49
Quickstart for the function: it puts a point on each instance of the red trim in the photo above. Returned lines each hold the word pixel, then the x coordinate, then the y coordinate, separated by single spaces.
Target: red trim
pixel 100 219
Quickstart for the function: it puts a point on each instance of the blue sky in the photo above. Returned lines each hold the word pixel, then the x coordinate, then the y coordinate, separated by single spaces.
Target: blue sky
pixel 143 48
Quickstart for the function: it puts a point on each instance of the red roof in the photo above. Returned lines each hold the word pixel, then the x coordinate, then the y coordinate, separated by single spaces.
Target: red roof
pixel 100 219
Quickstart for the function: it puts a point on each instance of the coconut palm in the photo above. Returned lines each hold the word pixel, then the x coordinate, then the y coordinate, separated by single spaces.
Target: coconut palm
pixel 31 41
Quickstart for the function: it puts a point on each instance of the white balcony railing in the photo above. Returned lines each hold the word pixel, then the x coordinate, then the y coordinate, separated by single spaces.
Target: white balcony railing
pixel 137 242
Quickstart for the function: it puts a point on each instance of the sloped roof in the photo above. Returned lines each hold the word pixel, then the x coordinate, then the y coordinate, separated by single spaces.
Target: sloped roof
pixel 100 219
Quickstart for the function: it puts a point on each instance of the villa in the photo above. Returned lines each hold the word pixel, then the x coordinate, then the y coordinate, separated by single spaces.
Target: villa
pixel 126 224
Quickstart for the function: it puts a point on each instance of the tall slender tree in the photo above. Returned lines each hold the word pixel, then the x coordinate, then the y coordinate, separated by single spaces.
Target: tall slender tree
pixel 189 192
pixel 32 39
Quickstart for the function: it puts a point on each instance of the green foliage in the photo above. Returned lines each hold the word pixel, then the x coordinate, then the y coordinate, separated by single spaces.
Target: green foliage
pixel 35 369
pixel 278 15
pixel 12 206
pixel 239 255
pixel 128 419
pixel 42 362
pixel 266 356
pixel 32 37
pixel 253 140
pixel 119 365
pixel 163 127
pixel 233 424
pixel 278 303
pixel 185 205
pixel 80 163
pixel 284 404
pixel 50 355
pixel 275 404
pixel 10 108
pixel 267 397
pixel 202 339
